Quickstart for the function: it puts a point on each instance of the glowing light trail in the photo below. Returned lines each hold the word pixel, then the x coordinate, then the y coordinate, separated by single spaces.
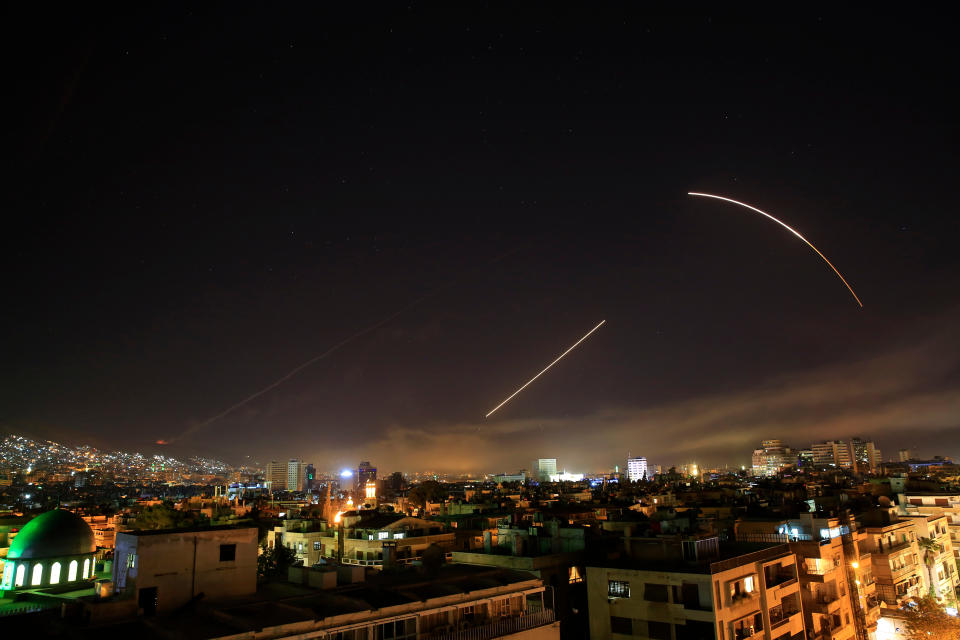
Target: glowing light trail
pixel 545 369
pixel 788 228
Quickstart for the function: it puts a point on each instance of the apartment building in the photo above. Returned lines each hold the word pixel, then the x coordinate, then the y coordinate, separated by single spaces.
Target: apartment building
pixel 895 559
pixel 937 503
pixel 936 554
pixel 836 579
pixel 837 587
pixel 366 539
pixel 696 589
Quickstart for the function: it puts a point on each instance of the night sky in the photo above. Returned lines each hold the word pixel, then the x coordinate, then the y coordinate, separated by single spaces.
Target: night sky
pixel 202 200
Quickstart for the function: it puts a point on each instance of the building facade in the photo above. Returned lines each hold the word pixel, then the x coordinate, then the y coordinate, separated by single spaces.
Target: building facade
pixel 637 469
pixel 752 595
pixel 162 570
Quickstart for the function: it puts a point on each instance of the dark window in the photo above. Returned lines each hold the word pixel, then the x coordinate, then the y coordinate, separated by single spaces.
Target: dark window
pixel 228 552
pixel 618 589
pixel 658 630
pixel 655 592
pixel 317 546
pixel 621 625
pixel 694 630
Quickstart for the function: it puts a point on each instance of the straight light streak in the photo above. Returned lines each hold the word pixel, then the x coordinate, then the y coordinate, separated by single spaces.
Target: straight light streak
pixel 545 369
pixel 788 228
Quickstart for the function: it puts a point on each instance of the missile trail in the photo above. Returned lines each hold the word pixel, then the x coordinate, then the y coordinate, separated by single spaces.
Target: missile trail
pixel 787 227
pixel 193 429
pixel 545 369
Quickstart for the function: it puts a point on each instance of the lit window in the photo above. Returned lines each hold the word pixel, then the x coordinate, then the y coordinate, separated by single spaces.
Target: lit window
pixel 72 571
pixel 748 584
pixel 317 546
pixel 21 570
pixel 398 536
pixel 55 573
pixel 86 568
pixel 383 535
pixel 7 575
pixel 37 575
pixel 574 575
pixel 618 589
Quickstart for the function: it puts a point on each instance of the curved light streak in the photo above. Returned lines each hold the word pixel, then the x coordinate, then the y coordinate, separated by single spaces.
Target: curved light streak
pixel 545 369
pixel 788 228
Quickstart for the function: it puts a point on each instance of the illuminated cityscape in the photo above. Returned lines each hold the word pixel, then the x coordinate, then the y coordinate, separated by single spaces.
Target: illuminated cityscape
pixel 479 321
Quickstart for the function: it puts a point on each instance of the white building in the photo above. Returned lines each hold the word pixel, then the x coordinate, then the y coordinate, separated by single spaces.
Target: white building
pixel 637 469
pixel 544 468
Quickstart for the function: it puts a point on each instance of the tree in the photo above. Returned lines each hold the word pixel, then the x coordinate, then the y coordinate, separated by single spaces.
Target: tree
pixel 930 548
pixel 429 491
pixel 928 620
pixel 166 516
pixel 274 562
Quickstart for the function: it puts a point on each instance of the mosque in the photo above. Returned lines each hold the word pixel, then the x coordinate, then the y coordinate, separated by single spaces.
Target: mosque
pixel 55 548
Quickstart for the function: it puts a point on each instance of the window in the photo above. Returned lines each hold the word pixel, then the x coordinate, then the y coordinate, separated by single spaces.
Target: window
pixel 659 630
pixel 398 536
pixel 7 575
pixel 228 552
pixel 748 584
pixel 655 592
pixel 299 547
pixel 383 535
pixel 618 589
pixel 396 630
pixel 317 546
pixel 86 568
pixel 21 570
pixel 37 575
pixel 621 625
pixel 55 573
pixel 72 571
pixel 574 575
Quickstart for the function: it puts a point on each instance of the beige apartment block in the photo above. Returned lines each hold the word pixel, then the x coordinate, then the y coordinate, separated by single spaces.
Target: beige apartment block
pixel 936 554
pixel 937 504
pixel 736 596
pixel 895 561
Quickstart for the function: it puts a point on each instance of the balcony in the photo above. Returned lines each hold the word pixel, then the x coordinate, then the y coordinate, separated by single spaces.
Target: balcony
pixel 497 628
pixel 747 632
pixel 780 579
pixel 779 620
pixel 887 550
pixel 909 569
pixel 823 603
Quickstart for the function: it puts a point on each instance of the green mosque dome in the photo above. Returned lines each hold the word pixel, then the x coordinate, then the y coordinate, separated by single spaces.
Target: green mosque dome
pixel 56 533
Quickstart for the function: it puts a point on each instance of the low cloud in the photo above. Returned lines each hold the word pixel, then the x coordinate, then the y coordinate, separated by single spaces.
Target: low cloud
pixel 906 397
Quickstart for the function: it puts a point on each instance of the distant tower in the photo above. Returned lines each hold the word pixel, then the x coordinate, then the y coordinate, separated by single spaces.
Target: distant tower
pixel 365 472
pixel 370 494
pixel 637 469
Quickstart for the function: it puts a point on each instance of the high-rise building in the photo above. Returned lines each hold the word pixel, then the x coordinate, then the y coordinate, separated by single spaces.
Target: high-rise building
pixel 636 469
pixel 905 454
pixel 276 476
pixel 296 475
pixel 866 456
pixel 833 453
pixel 311 477
pixel 771 458
pixel 543 468
pixel 365 472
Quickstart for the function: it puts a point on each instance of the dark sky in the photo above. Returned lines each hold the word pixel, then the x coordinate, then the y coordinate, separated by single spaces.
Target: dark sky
pixel 202 200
